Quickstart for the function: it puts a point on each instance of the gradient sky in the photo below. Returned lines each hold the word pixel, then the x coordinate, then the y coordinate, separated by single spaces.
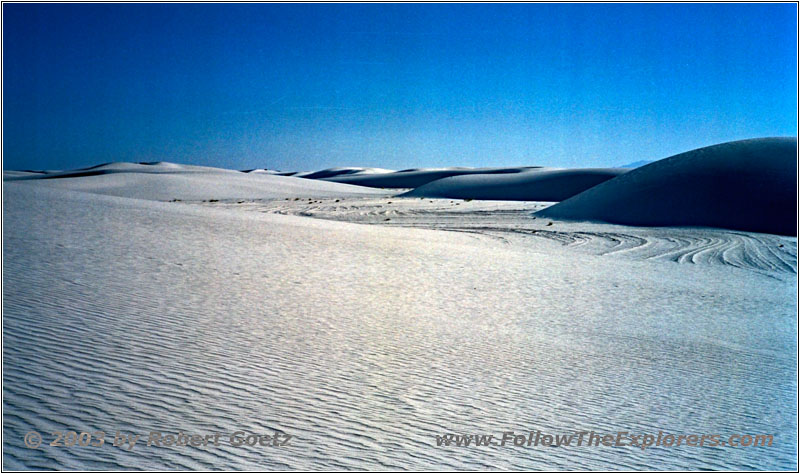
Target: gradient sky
pixel 300 87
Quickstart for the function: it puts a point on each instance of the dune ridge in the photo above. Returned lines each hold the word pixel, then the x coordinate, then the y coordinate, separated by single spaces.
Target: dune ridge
pixel 414 178
pixel 534 185
pixel 341 171
pixel 169 181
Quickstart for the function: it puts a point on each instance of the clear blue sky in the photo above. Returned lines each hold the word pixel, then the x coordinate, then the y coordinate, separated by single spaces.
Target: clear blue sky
pixel 313 86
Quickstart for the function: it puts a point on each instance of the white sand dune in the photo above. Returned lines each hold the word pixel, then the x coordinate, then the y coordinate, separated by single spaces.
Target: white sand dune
pixel 365 324
pixel 413 178
pixel 532 185
pixel 341 171
pixel 745 185
pixel 127 167
pixel 170 181
pixel 16 174
pixel 337 171
pixel 366 341
pixel 261 170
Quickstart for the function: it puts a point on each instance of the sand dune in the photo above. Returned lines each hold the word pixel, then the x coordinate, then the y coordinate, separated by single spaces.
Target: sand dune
pixel 366 341
pixel 360 321
pixel 261 170
pixel 532 185
pixel 169 181
pixel 414 178
pixel 123 167
pixel 16 174
pixel 341 171
pixel 746 185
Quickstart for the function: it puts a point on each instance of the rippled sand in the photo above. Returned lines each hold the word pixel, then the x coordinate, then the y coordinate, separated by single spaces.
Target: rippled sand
pixel 511 221
pixel 366 341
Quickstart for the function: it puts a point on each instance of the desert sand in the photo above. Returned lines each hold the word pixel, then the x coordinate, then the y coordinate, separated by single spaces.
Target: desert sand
pixel 140 297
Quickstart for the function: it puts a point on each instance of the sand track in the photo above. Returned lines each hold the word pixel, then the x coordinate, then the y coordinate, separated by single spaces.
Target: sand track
pixel 505 221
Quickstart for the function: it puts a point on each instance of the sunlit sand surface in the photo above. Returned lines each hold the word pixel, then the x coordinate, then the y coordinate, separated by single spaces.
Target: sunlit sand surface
pixel 364 325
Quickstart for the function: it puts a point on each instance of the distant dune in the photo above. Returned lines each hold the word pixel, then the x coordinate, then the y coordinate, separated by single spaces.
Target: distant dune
pixel 116 167
pixel 20 174
pixel 531 185
pixel 417 177
pixel 747 185
pixel 341 171
pixel 166 181
pixel 261 171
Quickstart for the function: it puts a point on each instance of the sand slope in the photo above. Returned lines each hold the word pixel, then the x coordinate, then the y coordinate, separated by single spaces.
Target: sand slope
pixel 123 167
pixel 18 174
pixel 511 223
pixel 744 185
pixel 168 181
pixel 341 171
pixel 414 178
pixel 261 171
pixel 366 341
pixel 533 185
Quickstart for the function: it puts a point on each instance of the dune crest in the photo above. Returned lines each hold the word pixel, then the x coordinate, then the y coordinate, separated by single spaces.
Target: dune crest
pixel 746 185
pixel 414 178
pixel 533 185
pixel 168 181
pixel 341 171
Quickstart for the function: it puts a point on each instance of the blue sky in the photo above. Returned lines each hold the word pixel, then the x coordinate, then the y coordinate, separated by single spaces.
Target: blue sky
pixel 298 87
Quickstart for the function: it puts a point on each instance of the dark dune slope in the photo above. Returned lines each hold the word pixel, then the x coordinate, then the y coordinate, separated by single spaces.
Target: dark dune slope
pixel 747 185
pixel 417 177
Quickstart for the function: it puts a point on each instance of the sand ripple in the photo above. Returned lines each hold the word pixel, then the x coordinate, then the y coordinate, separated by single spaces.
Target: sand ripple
pixel 364 342
pixel 508 221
